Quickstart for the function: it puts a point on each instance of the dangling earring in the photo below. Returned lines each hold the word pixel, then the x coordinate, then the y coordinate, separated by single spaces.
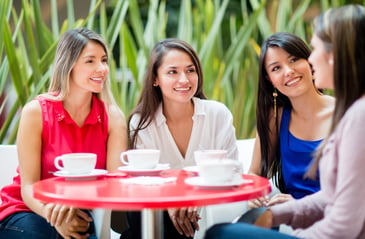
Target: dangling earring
pixel 275 94
pixel 154 84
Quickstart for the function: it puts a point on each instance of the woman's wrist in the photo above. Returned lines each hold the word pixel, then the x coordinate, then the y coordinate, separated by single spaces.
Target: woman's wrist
pixel 265 219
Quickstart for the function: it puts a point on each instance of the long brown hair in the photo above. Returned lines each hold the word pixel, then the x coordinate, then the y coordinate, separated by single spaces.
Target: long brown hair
pixel 342 31
pixel 151 96
pixel 269 141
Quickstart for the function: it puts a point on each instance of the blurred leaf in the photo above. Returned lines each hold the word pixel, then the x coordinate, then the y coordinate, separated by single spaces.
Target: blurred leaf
pixel 116 22
pixel 227 41
pixel 14 65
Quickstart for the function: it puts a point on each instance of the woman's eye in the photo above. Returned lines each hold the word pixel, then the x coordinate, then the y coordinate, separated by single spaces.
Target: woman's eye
pixel 191 70
pixel 275 68
pixel 171 72
pixel 294 59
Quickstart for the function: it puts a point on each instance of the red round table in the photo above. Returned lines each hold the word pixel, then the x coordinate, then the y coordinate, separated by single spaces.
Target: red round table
pixel 115 193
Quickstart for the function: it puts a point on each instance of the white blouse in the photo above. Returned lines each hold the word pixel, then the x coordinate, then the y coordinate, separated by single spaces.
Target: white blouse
pixel 212 129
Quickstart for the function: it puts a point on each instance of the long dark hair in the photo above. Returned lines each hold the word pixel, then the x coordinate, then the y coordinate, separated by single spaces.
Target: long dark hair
pixel 269 141
pixel 342 31
pixel 151 96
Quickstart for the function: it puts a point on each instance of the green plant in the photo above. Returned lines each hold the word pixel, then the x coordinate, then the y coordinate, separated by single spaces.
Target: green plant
pixel 228 46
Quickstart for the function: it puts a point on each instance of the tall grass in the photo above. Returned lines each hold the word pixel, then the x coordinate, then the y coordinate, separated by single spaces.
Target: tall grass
pixel 228 48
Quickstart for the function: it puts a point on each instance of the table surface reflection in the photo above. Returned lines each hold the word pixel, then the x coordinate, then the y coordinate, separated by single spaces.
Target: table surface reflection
pixel 113 192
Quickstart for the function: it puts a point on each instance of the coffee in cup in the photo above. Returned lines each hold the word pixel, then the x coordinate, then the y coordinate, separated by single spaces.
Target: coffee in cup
pixel 141 158
pixel 76 163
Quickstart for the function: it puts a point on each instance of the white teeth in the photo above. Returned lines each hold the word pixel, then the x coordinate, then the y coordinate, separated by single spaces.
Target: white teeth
pixel 293 81
pixel 97 79
pixel 182 89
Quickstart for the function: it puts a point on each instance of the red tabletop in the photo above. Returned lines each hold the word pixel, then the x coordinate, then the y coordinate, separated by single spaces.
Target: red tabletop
pixel 115 193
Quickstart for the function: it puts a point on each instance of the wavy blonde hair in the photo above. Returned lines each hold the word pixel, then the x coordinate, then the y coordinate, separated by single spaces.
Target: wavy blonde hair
pixel 69 48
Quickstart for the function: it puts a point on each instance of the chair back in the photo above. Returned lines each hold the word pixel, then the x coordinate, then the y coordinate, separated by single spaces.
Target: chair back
pixel 9 163
pixel 245 152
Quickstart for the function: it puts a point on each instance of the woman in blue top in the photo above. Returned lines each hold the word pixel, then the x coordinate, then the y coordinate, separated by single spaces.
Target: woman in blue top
pixel 293 117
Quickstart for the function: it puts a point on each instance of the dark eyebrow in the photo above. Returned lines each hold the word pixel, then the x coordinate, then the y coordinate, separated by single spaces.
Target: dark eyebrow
pixel 92 56
pixel 175 67
pixel 273 63
pixel 88 56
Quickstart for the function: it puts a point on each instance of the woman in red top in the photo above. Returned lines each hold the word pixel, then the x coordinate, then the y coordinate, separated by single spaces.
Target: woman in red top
pixel 78 114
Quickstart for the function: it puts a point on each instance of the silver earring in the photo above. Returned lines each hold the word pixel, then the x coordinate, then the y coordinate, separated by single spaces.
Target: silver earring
pixel 330 62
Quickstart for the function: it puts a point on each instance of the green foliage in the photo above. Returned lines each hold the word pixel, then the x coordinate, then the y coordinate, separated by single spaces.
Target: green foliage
pixel 226 34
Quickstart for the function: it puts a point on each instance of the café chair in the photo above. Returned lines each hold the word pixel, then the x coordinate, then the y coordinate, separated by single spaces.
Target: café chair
pixel 9 164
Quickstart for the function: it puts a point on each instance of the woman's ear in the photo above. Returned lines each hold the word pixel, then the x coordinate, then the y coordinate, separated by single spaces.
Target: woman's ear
pixel 155 82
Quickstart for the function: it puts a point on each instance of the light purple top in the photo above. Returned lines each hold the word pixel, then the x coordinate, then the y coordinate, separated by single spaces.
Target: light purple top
pixel 338 210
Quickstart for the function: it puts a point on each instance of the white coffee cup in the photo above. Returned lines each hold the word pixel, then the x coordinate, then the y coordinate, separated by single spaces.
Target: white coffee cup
pixel 141 158
pixel 219 171
pixel 209 154
pixel 76 163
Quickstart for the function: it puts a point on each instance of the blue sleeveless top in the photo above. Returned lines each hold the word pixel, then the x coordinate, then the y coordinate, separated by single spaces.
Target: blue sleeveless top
pixel 296 156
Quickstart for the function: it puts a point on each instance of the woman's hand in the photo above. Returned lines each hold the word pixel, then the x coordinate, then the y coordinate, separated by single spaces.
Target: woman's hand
pixel 185 220
pixel 68 221
pixel 55 214
pixel 258 202
pixel 192 214
pixel 266 202
pixel 279 198
pixel 72 229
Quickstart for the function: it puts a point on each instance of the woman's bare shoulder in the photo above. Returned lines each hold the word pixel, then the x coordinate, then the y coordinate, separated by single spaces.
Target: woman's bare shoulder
pixel 116 116
pixel 32 107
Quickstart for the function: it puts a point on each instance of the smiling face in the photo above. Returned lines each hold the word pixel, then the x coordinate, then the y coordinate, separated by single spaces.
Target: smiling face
pixel 322 62
pixel 177 77
pixel 91 69
pixel 291 75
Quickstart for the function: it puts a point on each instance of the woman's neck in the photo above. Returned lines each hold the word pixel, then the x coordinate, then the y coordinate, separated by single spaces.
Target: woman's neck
pixel 311 104
pixel 78 106
pixel 180 123
pixel 175 112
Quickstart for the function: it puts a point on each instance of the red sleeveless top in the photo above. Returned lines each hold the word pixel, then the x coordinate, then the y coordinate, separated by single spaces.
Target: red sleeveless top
pixel 61 135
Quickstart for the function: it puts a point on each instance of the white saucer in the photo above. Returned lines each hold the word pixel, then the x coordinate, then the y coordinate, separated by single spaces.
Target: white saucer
pixel 191 169
pixel 92 174
pixel 199 182
pixel 146 171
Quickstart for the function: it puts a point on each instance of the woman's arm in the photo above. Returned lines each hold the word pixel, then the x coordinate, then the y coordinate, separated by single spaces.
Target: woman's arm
pixel 256 162
pixel 342 169
pixel 255 167
pixel 29 153
pixel 117 139
pixel 226 136
pixel 256 157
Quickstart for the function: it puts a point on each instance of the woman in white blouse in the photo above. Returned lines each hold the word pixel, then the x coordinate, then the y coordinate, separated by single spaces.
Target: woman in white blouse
pixel 174 116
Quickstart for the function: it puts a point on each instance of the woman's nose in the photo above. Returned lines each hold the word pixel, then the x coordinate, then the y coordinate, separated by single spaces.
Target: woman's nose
pixel 289 70
pixel 183 77
pixel 102 67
